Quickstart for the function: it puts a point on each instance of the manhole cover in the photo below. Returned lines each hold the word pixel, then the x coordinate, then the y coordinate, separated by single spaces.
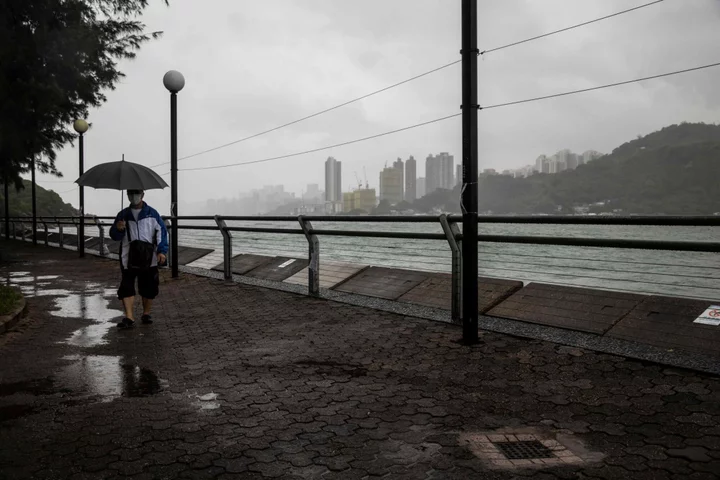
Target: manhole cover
pixel 524 450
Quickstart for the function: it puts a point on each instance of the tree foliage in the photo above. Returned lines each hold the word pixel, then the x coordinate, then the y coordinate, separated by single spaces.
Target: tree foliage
pixel 57 58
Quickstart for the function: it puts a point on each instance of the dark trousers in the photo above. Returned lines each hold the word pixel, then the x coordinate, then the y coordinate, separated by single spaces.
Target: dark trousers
pixel 148 283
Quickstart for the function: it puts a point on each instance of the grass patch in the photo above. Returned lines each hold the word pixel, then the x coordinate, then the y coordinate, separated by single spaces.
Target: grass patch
pixel 9 299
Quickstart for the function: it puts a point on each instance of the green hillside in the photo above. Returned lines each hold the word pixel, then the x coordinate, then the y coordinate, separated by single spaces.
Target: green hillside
pixel 49 203
pixel 673 171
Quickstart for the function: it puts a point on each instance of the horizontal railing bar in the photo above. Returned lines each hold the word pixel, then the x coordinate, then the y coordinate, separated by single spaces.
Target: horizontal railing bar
pixel 198 227
pixel 261 230
pixel 356 233
pixel 647 220
pixel 665 220
pixel 709 247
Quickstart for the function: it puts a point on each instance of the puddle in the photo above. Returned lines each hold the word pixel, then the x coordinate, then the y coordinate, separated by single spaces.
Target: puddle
pixel 107 378
pixel 207 401
pixel 87 307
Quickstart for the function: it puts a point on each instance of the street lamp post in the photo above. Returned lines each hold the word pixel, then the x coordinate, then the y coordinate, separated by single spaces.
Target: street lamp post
pixel 174 82
pixel 81 126
pixel 7 207
pixel 469 190
pixel 34 204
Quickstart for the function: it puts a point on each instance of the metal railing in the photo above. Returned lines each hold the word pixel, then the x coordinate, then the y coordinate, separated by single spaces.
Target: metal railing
pixel 449 226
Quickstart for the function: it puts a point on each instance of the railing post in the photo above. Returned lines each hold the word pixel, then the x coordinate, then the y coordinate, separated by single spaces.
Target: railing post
pixel 452 232
pixel 22 230
pixel 47 234
pixel 170 258
pixel 313 257
pixel 227 247
pixel 77 231
pixel 60 232
pixel 14 230
pixel 101 233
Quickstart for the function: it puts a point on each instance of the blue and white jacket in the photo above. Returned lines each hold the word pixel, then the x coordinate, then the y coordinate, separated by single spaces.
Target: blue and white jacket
pixel 148 225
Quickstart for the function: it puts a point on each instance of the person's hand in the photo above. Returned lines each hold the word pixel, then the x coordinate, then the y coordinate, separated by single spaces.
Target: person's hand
pixel 161 258
pixel 120 225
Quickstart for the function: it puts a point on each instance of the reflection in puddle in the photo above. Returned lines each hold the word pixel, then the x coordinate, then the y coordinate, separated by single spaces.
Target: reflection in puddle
pixel 88 307
pixel 106 377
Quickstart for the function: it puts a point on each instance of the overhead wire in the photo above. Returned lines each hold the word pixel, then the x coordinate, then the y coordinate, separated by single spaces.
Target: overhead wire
pixel 410 127
pixel 609 85
pixel 415 77
pixel 328 147
pixel 554 32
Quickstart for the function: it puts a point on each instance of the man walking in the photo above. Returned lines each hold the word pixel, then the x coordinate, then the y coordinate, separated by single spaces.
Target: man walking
pixel 144 245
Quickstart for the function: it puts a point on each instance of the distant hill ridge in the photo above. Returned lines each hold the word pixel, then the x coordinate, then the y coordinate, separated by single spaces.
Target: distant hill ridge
pixel 673 171
pixel 49 203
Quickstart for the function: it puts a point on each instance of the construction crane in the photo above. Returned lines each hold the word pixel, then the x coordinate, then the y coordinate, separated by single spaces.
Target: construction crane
pixel 358 181
pixel 367 184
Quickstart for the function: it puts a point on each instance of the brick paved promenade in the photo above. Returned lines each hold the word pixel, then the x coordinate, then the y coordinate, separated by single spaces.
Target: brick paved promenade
pixel 239 382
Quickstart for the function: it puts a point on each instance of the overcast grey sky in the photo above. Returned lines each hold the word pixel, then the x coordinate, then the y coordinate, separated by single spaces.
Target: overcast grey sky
pixel 252 65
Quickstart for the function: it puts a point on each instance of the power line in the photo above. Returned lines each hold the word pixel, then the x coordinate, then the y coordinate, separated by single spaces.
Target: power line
pixel 322 148
pixel 442 67
pixel 570 28
pixel 609 85
pixel 517 102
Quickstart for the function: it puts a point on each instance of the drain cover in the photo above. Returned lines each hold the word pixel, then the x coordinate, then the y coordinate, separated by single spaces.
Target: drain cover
pixel 524 450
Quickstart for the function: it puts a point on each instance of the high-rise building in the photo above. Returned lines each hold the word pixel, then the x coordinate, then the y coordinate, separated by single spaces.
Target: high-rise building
pixel 399 165
pixel 333 180
pixel 458 175
pixel 410 179
pixel 439 172
pixel 540 164
pixel 391 185
pixel 361 199
pixel 554 162
pixel 572 161
pixel 420 187
pixel 590 155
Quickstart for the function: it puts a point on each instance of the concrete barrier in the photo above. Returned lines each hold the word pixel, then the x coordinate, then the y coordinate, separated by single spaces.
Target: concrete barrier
pixel 381 282
pixel 331 274
pixel 583 309
pixel 243 263
pixel 436 292
pixel 278 269
pixel 669 323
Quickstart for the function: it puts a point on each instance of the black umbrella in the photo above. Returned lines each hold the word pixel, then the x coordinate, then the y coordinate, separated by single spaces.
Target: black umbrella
pixel 121 175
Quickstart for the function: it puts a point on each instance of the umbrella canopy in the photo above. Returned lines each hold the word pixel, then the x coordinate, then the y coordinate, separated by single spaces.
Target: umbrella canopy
pixel 121 175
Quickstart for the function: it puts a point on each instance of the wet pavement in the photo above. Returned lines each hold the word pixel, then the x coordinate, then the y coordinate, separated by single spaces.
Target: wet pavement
pixel 234 381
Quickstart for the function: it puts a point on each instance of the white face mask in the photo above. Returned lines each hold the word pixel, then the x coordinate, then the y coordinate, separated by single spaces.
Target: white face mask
pixel 135 198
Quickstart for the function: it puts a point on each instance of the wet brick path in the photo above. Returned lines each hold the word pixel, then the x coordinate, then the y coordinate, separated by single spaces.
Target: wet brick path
pixel 240 382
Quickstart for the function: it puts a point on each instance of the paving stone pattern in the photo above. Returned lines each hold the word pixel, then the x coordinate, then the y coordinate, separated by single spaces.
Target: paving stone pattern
pixel 241 382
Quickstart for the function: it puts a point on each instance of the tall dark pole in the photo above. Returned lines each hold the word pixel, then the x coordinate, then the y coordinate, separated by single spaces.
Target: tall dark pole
pixel 81 227
pixel 173 182
pixel 34 204
pixel 469 198
pixel 7 208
